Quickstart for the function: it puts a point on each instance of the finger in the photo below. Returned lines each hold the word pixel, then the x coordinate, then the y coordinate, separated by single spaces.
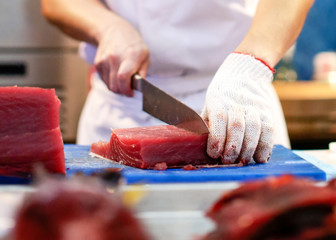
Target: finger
pixel 204 114
pixel 144 68
pixel 114 64
pixel 106 68
pixel 217 134
pixel 235 135
pixel 103 72
pixel 251 137
pixel 127 68
pixel 265 144
pixel 102 66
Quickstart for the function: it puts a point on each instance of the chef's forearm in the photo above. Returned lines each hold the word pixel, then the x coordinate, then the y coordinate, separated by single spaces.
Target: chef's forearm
pixel 274 29
pixel 82 20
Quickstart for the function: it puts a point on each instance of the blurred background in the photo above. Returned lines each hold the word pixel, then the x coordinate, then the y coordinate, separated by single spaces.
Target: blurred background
pixel 34 53
pixel 306 80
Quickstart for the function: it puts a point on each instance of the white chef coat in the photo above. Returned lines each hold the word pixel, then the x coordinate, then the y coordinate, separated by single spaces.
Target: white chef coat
pixel 188 40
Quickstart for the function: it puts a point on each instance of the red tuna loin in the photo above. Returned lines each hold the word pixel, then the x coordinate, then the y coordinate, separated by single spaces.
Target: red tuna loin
pixel 75 209
pixel 144 147
pixel 29 131
pixel 277 208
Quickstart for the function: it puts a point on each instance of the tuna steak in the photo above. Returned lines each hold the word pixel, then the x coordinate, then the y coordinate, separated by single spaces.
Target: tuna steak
pixel 29 131
pixel 145 147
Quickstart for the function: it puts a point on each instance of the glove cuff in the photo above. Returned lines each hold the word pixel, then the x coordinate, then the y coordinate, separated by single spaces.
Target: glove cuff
pixel 259 59
pixel 241 63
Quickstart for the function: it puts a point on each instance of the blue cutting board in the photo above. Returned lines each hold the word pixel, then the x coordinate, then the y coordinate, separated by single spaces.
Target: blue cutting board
pixel 282 161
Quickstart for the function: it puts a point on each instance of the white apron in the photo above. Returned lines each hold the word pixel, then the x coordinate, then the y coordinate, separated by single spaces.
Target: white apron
pixel 188 40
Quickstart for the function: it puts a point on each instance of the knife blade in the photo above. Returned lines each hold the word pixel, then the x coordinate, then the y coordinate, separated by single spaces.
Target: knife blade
pixel 165 107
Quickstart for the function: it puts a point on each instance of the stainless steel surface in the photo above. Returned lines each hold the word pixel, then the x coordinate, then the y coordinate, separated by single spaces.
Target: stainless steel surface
pixel 23 26
pixel 168 211
pixel 34 53
pixel 167 108
pixel 177 211
pixel 11 199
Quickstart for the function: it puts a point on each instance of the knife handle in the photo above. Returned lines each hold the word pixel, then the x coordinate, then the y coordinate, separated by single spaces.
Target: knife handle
pixel 137 82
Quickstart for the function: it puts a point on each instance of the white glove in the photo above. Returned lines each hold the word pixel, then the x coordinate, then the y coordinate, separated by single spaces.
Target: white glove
pixel 239 112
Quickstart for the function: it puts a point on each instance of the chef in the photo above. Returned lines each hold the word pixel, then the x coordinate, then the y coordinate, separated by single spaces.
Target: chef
pixel 217 56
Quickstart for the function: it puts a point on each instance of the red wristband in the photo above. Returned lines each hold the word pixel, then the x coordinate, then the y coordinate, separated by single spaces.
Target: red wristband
pixel 266 64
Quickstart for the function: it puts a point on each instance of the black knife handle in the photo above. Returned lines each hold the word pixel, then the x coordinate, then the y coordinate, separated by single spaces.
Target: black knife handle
pixel 137 82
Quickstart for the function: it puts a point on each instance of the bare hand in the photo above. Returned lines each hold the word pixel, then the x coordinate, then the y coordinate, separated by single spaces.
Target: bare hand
pixel 121 53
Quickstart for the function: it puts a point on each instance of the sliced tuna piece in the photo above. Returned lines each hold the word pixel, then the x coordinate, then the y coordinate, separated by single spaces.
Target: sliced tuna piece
pixel 144 147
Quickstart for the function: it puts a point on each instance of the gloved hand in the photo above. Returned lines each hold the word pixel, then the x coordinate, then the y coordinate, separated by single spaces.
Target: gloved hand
pixel 238 110
pixel 121 53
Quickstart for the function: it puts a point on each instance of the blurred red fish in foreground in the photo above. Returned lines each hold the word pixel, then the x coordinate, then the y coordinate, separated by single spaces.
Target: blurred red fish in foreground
pixel 276 208
pixel 75 209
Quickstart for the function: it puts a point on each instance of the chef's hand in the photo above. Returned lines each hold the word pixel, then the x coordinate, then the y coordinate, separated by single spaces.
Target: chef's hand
pixel 238 110
pixel 121 53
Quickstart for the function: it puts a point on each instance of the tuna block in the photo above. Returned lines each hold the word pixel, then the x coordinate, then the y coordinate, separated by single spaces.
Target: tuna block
pixel 144 147
pixel 29 131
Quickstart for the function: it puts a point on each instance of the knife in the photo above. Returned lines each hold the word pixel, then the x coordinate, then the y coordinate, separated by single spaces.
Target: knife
pixel 165 107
